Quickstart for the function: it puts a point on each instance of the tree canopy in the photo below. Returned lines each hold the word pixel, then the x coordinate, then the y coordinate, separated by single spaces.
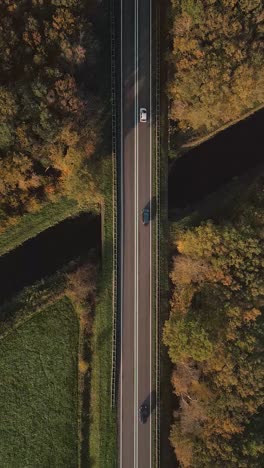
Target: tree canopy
pixel 48 123
pixel 216 62
pixel 215 339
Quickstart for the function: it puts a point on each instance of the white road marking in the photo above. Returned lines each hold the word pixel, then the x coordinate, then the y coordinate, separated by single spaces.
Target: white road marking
pixel 136 239
pixel 122 239
pixel 150 241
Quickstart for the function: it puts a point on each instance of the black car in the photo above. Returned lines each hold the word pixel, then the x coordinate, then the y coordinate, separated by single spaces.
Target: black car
pixel 146 215
pixel 143 413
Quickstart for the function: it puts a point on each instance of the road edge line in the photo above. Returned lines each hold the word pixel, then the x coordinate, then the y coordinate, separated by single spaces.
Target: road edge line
pixel 121 233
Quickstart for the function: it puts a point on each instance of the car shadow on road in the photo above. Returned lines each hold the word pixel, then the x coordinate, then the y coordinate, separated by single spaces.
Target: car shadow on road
pixel 152 207
pixel 151 401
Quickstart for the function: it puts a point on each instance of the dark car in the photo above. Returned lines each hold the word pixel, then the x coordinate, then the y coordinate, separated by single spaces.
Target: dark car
pixel 146 215
pixel 143 413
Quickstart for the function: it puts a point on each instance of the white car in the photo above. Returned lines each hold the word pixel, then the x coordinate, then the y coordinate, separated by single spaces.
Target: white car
pixel 143 114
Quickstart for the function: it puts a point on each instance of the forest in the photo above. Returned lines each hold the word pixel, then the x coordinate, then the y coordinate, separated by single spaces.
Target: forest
pixel 216 63
pixel 214 336
pixel 49 119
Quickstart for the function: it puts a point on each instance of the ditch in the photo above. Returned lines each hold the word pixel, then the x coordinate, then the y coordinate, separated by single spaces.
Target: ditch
pixel 48 252
pixel 214 163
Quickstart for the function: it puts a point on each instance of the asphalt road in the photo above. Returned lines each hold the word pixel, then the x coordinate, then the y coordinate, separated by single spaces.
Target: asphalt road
pixel 135 385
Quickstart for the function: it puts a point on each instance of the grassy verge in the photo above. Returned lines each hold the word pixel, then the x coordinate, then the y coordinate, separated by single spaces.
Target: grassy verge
pixel 34 223
pixel 102 442
pixel 198 141
pixel 166 397
pixel 39 376
pixel 155 224
pixel 103 432
pixel 160 235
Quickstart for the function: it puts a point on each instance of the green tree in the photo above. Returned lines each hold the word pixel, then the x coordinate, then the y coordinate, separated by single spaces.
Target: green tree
pixel 216 63
pixel 186 339
pixel 215 337
pixel 44 101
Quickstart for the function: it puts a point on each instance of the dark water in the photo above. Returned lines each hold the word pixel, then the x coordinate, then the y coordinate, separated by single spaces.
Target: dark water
pixel 215 162
pixel 48 252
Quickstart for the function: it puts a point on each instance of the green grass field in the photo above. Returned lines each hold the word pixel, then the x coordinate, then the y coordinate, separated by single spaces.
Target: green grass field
pixel 39 391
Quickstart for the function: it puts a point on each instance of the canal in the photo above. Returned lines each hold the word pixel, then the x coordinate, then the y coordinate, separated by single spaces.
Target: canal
pixel 209 166
pixel 48 252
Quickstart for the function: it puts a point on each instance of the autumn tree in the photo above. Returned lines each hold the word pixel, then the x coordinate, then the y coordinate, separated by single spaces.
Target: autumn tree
pixel 215 338
pixel 47 130
pixel 216 62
